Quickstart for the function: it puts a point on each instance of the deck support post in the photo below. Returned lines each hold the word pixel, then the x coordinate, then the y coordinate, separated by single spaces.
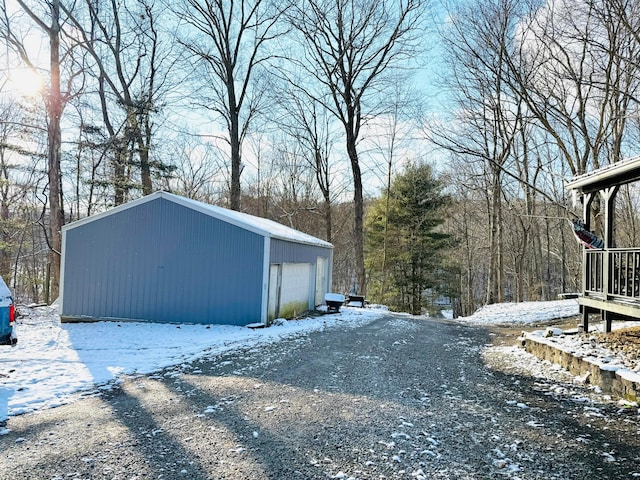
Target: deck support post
pixel 606 317
pixel 608 197
pixel 585 319
pixel 587 201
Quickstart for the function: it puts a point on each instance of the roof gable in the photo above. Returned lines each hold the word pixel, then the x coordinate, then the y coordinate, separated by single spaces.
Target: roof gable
pixel 260 226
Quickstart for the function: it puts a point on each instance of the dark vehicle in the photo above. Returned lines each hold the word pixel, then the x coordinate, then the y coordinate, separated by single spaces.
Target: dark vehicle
pixel 7 316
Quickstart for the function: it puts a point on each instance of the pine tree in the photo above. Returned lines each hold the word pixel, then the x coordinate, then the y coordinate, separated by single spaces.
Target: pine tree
pixel 403 241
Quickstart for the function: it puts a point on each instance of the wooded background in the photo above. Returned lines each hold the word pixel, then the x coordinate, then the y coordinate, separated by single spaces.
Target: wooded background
pixel 317 114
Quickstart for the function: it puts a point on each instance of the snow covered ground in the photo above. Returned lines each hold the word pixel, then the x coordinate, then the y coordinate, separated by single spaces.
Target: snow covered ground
pixel 54 360
pixel 586 347
pixel 522 313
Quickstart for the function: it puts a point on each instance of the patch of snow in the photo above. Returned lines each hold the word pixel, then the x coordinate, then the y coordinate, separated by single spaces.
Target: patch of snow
pixel 54 360
pixel 334 297
pixel 553 332
pixel 629 375
pixel 522 313
pixel 591 351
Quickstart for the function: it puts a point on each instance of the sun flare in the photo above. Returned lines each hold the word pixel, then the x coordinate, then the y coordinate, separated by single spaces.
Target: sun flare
pixel 26 81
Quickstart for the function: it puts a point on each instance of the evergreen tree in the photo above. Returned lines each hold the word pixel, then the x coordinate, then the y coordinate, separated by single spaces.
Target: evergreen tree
pixel 403 240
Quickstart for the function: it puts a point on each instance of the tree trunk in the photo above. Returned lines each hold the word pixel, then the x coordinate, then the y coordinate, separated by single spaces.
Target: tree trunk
pixel 358 207
pixel 54 140
pixel 322 177
pixel 500 281
pixel 327 218
pixel 415 292
pixel 5 254
pixel 119 174
pixel 145 168
pixel 235 164
pixel 493 281
pixel 234 139
pixel 520 262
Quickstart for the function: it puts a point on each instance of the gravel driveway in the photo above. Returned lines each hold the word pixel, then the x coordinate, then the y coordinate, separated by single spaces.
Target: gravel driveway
pixel 398 398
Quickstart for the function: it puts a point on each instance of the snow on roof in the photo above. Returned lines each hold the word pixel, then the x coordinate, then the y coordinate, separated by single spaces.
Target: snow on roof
pixel 261 226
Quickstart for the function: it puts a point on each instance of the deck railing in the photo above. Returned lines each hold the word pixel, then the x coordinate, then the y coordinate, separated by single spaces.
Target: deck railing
pixel 614 273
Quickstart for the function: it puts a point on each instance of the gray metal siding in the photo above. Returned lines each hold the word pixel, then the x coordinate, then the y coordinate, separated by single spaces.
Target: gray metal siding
pixel 163 262
pixel 283 251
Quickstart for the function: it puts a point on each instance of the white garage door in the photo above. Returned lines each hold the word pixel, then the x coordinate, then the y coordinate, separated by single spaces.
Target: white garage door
pixel 321 280
pixel 273 307
pixel 296 288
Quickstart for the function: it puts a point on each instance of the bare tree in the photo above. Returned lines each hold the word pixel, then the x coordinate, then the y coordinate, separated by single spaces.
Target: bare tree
pixel 15 180
pixel 295 188
pixel 229 40
pixel 197 168
pixel 576 68
pixel 556 86
pixel 307 122
pixel 132 66
pixel 348 49
pixel 391 132
pixel 489 117
pixel 47 17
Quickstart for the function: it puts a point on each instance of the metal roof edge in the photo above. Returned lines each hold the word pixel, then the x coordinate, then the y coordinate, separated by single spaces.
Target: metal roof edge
pixel 319 243
pixel 595 176
pixel 112 211
pixel 214 211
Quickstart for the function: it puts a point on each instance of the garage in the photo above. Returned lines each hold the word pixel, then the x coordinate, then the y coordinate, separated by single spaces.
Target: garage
pixel 167 258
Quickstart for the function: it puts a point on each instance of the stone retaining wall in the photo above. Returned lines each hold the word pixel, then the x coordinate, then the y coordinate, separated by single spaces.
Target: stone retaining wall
pixel 615 380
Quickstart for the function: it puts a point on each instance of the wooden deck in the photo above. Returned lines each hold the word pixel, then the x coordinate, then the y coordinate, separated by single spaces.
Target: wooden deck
pixel 623 270
pixel 610 276
pixel 611 284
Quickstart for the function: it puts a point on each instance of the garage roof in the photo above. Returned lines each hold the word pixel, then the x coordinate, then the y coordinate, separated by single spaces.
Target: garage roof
pixel 261 226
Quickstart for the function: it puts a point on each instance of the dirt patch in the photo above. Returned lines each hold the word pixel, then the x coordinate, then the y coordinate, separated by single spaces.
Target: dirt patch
pixel 625 340
pixel 503 335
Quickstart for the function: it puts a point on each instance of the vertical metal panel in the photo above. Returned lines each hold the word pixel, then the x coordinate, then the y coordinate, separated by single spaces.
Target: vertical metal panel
pixel 163 262
pixel 266 282
pixel 322 283
pixel 275 277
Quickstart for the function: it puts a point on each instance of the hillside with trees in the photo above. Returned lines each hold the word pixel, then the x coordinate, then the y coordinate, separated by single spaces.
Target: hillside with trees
pixel 430 145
